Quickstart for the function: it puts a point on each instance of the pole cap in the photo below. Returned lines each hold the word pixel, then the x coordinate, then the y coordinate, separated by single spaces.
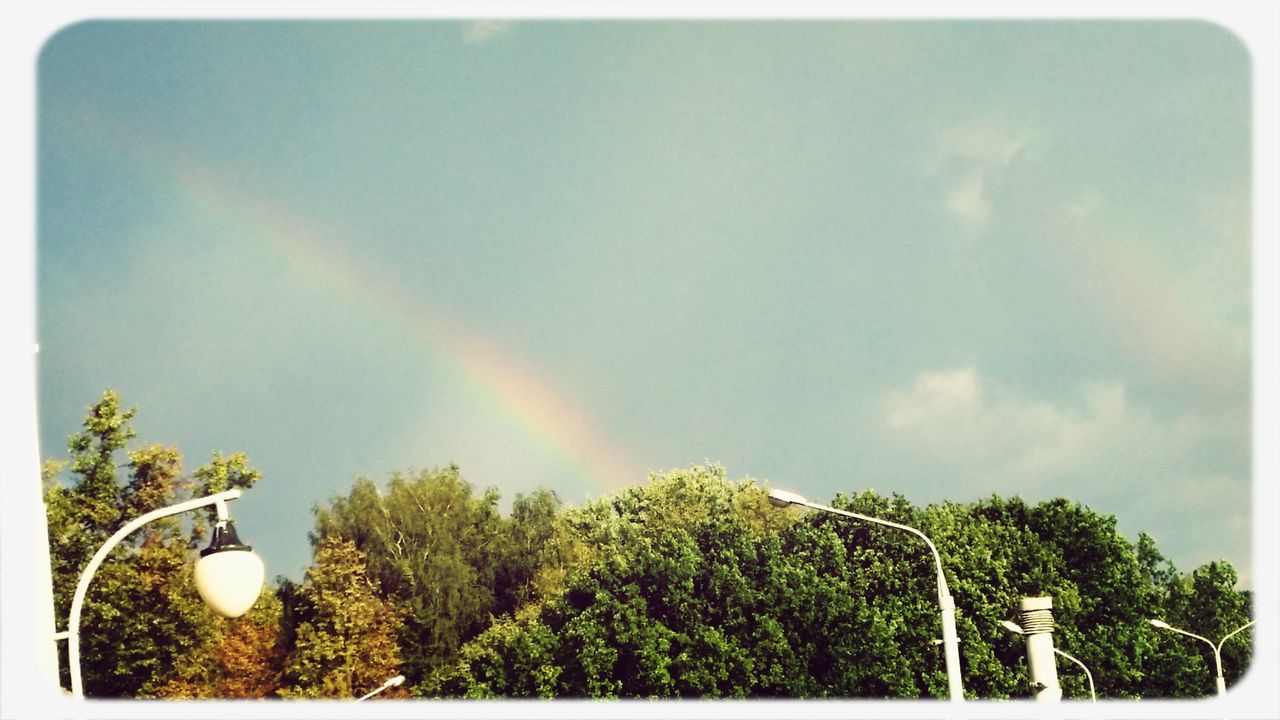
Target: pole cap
pixel 1036 603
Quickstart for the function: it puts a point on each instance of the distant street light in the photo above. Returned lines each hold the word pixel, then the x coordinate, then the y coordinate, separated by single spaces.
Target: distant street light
pixel 1217 649
pixel 228 575
pixel 950 641
pixel 391 682
pixel 1016 628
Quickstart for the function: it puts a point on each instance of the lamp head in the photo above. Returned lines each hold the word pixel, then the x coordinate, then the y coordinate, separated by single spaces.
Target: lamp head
pixel 229 575
pixel 397 680
pixel 1012 627
pixel 1160 624
pixel 783 498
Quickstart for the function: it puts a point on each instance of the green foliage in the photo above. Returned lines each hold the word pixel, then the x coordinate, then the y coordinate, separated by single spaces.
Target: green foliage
pixel 447 555
pixel 691 587
pixel 431 546
pixel 221 474
pixel 142 617
pixel 345 641
pixel 243 658
pixel 106 430
pixel 84 514
pixel 688 586
pixel 1206 603
pixel 652 612
pixel 531 549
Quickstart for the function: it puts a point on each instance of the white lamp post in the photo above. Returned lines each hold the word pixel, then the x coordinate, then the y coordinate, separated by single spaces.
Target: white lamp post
pixel 1217 649
pixel 1016 628
pixel 228 575
pixel 950 641
pixel 391 682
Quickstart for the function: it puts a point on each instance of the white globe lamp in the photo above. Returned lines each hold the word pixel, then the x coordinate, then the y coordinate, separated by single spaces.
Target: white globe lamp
pixel 228 575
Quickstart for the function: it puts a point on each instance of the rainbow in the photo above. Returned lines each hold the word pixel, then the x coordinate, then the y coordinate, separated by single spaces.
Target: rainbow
pixel 542 413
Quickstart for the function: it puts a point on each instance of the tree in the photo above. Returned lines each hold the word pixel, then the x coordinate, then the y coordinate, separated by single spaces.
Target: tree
pixel 345 641
pixel 83 515
pixel 432 547
pixel 651 610
pixel 1003 550
pixel 244 659
pixel 530 552
pixel 141 614
pixel 1206 603
pixel 692 586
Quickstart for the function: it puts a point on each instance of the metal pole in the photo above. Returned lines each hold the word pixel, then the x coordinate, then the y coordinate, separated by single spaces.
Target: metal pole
pixel 1092 694
pixel 951 648
pixel 1036 615
pixel 77 602
pixel 26 498
pixel 1217 655
pixel 389 683
pixel 1219 681
pixel 946 604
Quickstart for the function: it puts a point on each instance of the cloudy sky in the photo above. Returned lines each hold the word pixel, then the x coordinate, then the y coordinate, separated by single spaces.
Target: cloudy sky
pixel 941 259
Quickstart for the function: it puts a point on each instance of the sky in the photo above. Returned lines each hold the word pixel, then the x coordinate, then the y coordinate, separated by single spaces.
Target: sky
pixel 942 259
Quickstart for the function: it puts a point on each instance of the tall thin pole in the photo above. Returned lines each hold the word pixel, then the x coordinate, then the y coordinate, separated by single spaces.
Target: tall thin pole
pixel 1219 681
pixel 946 604
pixel 1217 656
pixel 30 617
pixel 77 602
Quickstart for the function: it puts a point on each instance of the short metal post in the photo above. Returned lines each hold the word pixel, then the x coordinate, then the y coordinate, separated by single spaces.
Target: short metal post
pixel 1036 615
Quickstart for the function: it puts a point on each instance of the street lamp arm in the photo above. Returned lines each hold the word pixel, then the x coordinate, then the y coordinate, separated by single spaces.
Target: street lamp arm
pixel 86 576
pixel 391 682
pixel 943 590
pixel 1201 638
pixel 1217 649
pixel 1233 632
pixel 1087 674
pixel 946 605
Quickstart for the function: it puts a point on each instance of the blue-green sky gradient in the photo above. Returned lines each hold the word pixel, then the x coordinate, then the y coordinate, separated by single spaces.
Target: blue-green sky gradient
pixel 946 259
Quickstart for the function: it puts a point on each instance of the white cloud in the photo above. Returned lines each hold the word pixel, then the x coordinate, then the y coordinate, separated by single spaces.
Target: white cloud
pixel 1164 476
pixel 1007 436
pixel 936 397
pixel 1083 206
pixel 965 200
pixel 967 159
pixel 481 31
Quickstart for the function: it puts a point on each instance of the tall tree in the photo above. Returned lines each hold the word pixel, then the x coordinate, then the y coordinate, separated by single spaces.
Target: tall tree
pixel 141 613
pixel 1204 602
pixel 243 659
pixel 654 609
pixel 344 642
pixel 83 513
pixel 531 552
pixel 433 547
pixel 692 586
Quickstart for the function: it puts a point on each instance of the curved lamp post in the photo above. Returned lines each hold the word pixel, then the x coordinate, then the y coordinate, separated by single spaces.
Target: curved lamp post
pixel 1016 628
pixel 228 575
pixel 1217 649
pixel 391 682
pixel 950 641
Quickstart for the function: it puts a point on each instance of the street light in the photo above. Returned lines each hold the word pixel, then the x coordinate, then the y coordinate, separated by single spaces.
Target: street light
pixel 391 682
pixel 1016 628
pixel 950 641
pixel 1217 649
pixel 228 575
